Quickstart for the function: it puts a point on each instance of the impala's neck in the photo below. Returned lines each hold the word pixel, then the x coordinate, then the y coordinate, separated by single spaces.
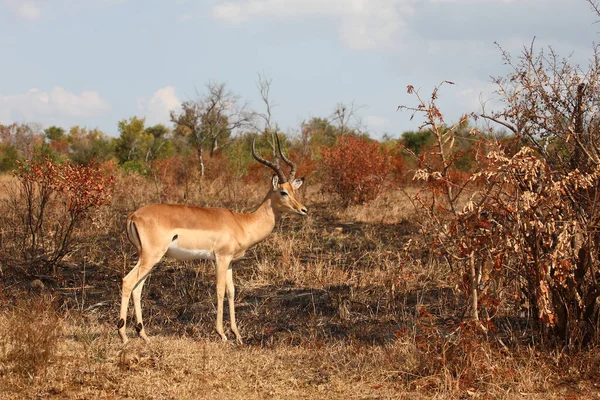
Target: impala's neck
pixel 263 220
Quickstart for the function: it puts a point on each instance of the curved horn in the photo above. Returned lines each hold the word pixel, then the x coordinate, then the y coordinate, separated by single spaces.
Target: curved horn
pixel 288 162
pixel 269 164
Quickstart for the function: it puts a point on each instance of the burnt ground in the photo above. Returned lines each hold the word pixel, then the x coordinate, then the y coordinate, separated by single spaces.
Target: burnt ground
pixel 179 298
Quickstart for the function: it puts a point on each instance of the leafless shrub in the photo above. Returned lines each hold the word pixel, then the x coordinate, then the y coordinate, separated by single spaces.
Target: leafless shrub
pixel 552 107
pixel 521 231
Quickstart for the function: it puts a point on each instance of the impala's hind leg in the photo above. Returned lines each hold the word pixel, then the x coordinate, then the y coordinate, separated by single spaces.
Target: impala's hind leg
pixel 137 305
pixel 134 280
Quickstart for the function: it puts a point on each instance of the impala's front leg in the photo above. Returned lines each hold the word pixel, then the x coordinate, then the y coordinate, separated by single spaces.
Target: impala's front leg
pixel 222 267
pixel 231 300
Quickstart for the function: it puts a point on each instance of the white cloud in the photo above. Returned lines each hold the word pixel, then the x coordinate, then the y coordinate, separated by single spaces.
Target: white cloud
pixel 229 12
pixel 362 24
pixel 50 107
pixel 26 9
pixel 157 108
pixel 375 122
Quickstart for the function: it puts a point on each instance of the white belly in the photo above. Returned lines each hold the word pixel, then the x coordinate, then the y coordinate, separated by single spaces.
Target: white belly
pixel 179 253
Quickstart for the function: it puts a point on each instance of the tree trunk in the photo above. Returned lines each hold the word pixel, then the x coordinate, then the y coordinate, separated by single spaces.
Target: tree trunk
pixel 578 126
pixel 214 147
pixel 474 297
pixel 201 168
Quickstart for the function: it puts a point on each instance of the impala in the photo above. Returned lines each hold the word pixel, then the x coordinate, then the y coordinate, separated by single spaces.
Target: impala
pixel 189 233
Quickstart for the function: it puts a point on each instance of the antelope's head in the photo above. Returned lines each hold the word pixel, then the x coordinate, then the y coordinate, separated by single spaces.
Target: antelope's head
pixel 283 189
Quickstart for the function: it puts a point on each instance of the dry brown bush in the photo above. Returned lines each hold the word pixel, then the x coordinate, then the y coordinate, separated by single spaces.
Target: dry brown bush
pixel 520 233
pixel 175 179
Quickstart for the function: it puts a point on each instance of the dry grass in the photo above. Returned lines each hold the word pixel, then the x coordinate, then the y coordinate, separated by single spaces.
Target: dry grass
pixel 6 181
pixel 390 207
pixel 30 331
pixel 91 363
pixel 336 305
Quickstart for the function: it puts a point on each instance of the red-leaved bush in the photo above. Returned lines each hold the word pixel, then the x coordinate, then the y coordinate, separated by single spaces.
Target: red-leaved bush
pixel 45 207
pixel 173 174
pixel 357 169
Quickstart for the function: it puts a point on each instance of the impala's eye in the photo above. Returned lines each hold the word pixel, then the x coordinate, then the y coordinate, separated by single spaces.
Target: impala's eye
pixel 283 194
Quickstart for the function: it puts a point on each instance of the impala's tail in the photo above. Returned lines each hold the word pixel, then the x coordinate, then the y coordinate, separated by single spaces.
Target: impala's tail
pixel 133 234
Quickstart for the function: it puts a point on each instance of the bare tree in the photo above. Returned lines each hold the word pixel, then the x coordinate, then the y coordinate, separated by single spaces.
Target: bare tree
pixel 345 118
pixel 595 6
pixel 189 123
pixel 266 127
pixel 223 115
pixel 212 119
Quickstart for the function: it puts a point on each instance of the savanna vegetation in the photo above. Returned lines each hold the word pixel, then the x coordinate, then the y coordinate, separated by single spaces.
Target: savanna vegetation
pixel 457 261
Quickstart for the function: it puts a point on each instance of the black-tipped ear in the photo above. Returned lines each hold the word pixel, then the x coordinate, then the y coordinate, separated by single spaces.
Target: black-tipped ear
pixel 275 181
pixel 296 183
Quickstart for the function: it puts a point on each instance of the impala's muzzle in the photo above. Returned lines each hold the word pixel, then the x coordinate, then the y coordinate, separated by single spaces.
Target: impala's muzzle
pixel 303 211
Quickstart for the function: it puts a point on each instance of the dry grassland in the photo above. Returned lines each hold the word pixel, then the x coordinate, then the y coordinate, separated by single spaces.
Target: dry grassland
pixel 343 304
pixel 88 361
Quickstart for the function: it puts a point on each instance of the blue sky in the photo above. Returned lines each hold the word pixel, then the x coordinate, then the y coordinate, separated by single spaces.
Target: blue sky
pixel 94 62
